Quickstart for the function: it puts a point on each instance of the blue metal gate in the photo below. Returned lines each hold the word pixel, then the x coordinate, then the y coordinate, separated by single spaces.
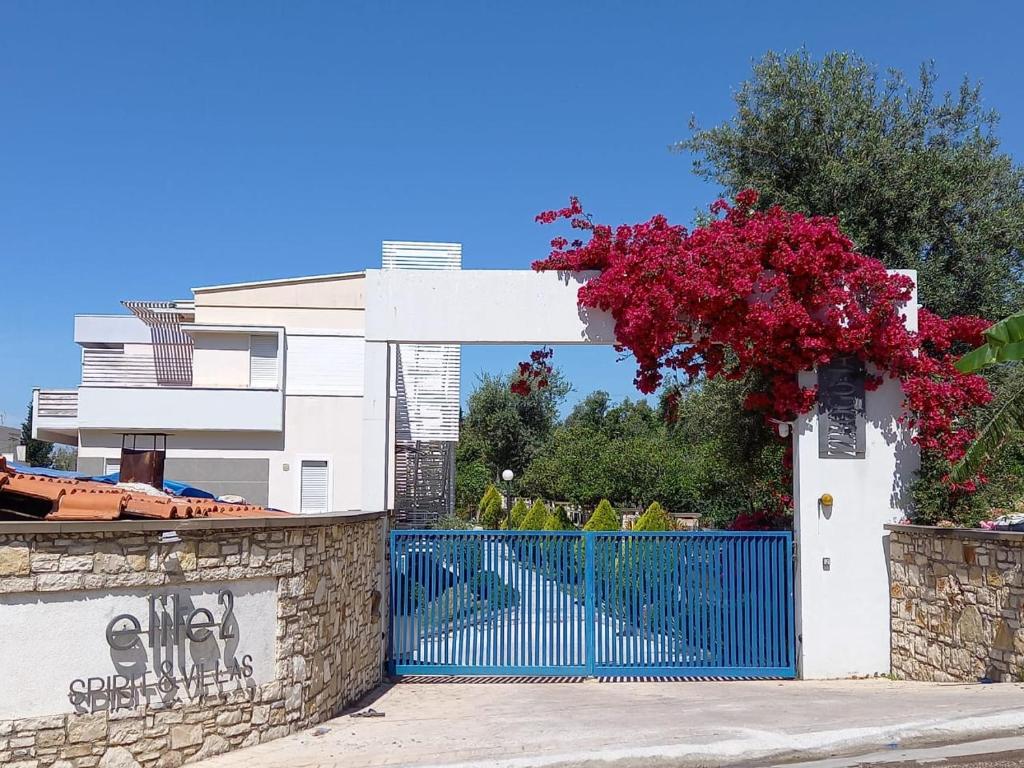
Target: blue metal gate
pixel 570 603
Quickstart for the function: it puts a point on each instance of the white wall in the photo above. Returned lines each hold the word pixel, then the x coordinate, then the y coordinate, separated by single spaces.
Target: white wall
pixel 220 360
pixel 843 612
pixel 51 639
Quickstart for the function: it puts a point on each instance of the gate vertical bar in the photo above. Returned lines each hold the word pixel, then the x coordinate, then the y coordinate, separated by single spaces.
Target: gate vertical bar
pixel 589 542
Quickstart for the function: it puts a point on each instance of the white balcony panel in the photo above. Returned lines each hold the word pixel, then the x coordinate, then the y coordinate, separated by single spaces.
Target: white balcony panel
pixel 110 329
pixel 55 415
pixel 177 409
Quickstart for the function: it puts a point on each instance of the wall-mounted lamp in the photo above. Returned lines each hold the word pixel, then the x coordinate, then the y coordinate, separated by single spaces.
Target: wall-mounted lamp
pixel 783 427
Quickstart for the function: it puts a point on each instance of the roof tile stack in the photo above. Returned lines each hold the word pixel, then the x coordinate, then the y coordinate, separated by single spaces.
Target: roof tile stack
pixel 27 496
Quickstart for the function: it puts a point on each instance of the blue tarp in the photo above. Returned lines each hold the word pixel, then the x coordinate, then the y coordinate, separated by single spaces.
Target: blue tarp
pixel 45 471
pixel 172 487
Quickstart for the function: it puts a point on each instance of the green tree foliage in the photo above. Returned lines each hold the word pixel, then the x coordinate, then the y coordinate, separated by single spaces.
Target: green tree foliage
pixel 37 452
pixel 493 514
pixel 517 514
pixel 535 518
pixel 654 518
pixel 605 518
pixel 471 482
pixel 504 430
pixel 558 520
pixel 65 459
pixel 916 177
pixel 602 451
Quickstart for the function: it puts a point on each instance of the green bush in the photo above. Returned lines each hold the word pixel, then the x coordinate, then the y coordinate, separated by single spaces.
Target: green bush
pixel 605 518
pixel 655 518
pixel 491 493
pixel 558 520
pixel 535 518
pixel 493 514
pixel 517 514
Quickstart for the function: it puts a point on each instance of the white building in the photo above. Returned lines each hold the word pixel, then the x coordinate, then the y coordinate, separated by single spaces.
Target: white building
pixel 258 388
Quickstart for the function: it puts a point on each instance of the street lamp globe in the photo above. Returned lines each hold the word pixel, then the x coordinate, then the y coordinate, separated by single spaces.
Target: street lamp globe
pixel 507 475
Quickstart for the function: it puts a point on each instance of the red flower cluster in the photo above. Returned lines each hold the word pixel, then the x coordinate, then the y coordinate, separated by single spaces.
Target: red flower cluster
pixel 769 291
pixel 533 374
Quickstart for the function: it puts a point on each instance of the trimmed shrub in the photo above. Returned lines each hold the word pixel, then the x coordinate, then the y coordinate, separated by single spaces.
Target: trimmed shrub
pixel 605 518
pixel 517 514
pixel 492 515
pixel 655 518
pixel 491 493
pixel 535 518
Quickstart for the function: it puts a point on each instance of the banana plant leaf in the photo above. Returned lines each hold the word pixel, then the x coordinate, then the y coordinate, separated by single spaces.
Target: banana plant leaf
pixel 1007 420
pixel 1004 342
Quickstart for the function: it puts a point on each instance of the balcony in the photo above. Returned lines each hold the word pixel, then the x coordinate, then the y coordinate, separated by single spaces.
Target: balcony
pixel 55 415
pixel 179 409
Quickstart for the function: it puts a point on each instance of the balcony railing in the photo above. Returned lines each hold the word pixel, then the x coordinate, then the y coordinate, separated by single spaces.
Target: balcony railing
pixel 57 404
pixel 122 368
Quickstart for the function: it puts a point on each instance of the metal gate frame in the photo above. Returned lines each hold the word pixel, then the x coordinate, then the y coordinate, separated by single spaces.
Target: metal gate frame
pixel 553 603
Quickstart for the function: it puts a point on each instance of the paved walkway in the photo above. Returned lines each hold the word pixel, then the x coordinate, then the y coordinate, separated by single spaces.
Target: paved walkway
pixel 520 724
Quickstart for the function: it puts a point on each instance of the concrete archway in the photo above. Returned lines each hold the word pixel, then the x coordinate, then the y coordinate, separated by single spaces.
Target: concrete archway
pixel 842 587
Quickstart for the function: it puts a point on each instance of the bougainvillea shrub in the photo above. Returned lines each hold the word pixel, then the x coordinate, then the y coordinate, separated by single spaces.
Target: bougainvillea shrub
pixel 772 292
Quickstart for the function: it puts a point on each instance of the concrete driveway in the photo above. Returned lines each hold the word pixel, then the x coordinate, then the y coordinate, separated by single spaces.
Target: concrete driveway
pixel 590 723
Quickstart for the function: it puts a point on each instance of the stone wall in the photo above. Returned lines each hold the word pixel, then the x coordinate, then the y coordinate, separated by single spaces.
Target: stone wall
pixel 957 604
pixel 329 629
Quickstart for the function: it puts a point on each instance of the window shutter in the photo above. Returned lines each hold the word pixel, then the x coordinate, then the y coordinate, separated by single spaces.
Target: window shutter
pixel 110 466
pixel 325 365
pixel 314 491
pixel 263 361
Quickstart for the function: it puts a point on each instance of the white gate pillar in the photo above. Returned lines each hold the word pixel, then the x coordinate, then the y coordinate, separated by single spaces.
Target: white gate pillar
pixel 842 579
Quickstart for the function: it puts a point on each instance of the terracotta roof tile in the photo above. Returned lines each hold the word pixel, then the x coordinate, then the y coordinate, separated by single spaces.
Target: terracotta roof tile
pixel 160 507
pixel 73 499
pixel 39 487
pixel 87 503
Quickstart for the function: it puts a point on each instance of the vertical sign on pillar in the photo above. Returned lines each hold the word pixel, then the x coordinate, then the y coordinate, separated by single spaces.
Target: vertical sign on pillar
pixel 841 409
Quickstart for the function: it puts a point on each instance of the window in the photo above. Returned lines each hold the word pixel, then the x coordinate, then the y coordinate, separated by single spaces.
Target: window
pixel 263 361
pixel 110 466
pixel 313 488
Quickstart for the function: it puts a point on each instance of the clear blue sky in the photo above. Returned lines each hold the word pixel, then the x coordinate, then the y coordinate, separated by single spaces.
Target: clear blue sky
pixel 146 148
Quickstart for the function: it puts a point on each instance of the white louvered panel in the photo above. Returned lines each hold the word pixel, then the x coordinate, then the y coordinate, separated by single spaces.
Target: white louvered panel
pixel 58 403
pixel 116 368
pixel 263 361
pixel 314 489
pixel 400 254
pixel 324 365
pixel 428 392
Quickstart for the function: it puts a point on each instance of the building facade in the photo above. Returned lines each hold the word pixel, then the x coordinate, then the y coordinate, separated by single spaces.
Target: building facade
pixel 257 391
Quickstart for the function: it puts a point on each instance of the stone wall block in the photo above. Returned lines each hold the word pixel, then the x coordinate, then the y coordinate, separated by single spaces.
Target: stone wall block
pixel 14 559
